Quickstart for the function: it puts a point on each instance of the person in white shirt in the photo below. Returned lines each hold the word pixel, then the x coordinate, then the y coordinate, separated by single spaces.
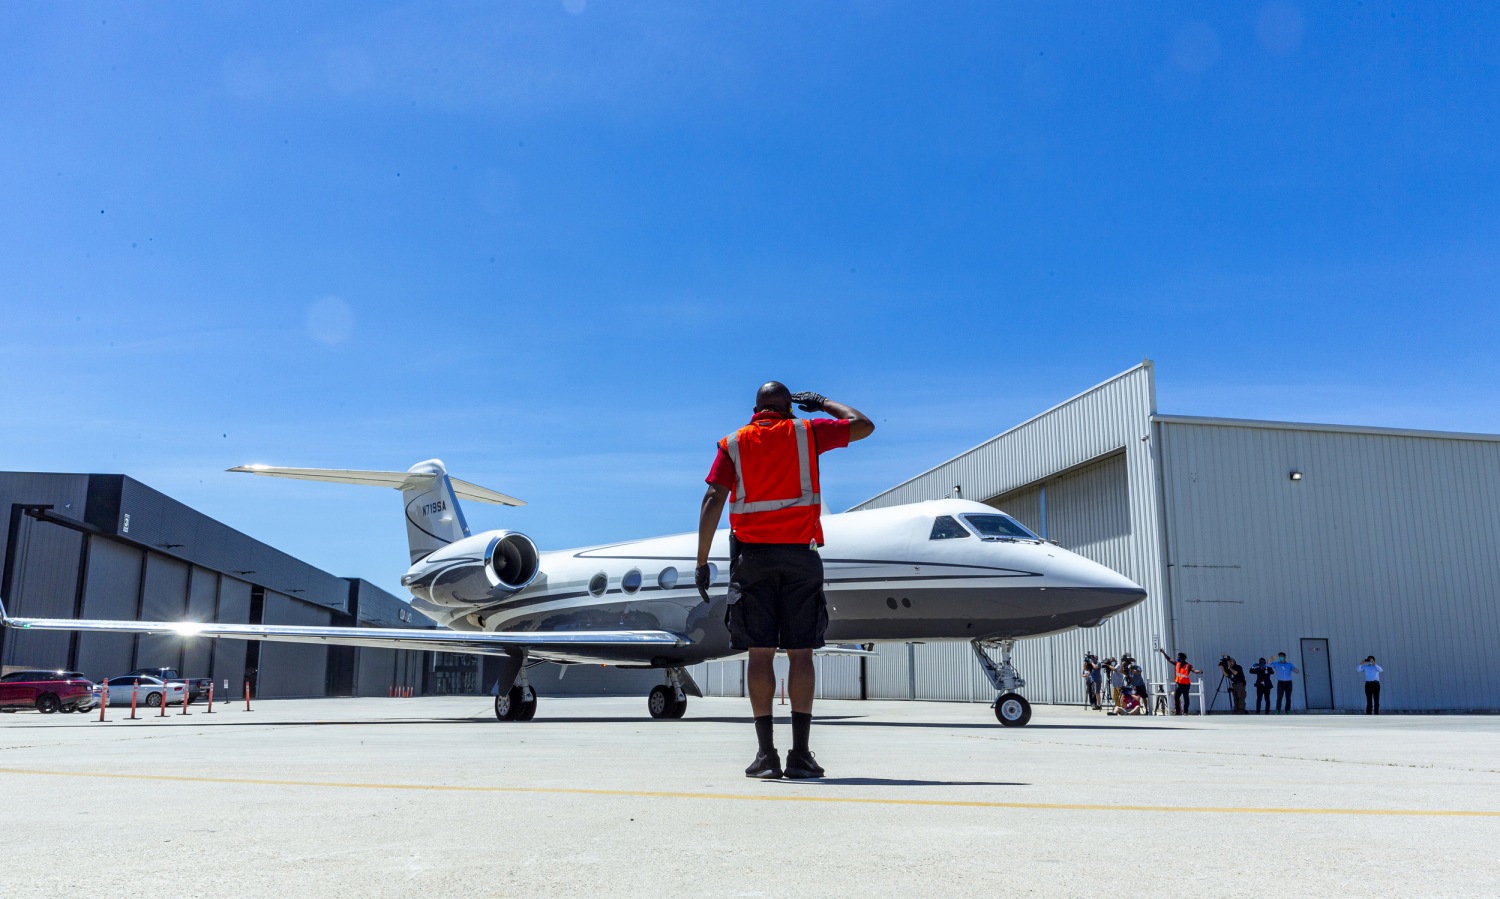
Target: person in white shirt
pixel 1371 671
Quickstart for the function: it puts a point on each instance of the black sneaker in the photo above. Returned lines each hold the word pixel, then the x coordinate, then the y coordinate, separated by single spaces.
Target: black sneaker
pixel 800 765
pixel 767 766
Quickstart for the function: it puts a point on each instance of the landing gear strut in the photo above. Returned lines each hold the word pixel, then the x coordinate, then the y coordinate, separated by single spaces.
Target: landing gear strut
pixel 519 702
pixel 1011 708
pixel 669 700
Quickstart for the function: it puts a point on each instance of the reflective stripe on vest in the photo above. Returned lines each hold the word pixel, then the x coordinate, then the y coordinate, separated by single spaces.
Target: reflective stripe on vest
pixel 808 497
pixel 1184 672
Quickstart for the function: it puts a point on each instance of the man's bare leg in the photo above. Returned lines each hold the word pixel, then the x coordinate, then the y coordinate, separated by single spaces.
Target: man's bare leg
pixel 802 680
pixel 760 680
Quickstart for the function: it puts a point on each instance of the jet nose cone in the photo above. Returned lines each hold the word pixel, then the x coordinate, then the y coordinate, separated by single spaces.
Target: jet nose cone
pixel 1074 570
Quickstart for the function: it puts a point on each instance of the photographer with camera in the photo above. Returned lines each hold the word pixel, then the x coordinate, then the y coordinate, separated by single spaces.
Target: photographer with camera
pixel 1116 683
pixel 1182 678
pixel 1137 679
pixel 1262 673
pixel 1236 675
pixel 1093 678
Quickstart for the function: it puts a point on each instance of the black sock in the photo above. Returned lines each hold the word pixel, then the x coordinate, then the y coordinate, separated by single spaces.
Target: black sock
pixel 764 735
pixel 801 724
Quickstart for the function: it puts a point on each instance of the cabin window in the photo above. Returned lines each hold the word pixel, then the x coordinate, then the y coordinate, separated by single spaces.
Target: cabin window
pixel 597 583
pixel 631 582
pixel 667 579
pixel 947 528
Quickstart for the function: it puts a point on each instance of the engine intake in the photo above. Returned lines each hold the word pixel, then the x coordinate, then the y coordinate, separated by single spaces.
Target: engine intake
pixel 476 570
pixel 514 561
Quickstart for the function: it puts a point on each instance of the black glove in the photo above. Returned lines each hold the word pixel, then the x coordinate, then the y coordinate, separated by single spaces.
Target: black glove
pixel 702 578
pixel 808 401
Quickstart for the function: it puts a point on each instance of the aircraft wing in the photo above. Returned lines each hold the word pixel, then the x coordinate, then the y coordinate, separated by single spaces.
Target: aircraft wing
pixel 569 645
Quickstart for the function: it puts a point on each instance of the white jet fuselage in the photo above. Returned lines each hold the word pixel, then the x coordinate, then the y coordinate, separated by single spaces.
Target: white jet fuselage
pixel 886 579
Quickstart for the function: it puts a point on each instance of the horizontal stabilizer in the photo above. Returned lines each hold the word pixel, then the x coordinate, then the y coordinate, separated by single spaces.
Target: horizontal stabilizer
pixel 399 480
pixel 571 645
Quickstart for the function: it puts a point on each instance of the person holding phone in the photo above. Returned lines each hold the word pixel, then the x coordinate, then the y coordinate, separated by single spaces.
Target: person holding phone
pixel 1371 671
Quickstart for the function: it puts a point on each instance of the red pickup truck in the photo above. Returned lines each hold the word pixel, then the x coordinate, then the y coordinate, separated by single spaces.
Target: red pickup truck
pixel 47 691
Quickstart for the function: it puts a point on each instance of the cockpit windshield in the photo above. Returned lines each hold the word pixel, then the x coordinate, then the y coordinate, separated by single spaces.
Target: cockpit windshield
pixel 945 528
pixel 998 527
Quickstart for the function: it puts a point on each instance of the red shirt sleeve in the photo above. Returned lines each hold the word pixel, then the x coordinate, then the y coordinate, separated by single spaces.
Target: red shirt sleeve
pixel 722 472
pixel 830 433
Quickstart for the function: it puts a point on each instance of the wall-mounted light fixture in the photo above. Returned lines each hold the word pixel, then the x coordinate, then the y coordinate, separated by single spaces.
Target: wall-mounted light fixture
pixel 1296 475
pixel 958 491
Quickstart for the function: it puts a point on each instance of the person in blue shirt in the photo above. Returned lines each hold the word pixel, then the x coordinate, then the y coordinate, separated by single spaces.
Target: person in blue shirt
pixel 1371 671
pixel 1284 671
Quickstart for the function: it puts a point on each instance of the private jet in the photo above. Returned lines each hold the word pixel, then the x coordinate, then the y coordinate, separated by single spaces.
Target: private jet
pixel 941 570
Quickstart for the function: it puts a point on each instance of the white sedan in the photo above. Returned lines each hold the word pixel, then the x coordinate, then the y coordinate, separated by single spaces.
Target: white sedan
pixel 147 690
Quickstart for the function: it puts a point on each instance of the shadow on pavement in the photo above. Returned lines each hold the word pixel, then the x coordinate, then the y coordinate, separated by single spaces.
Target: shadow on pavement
pixel 890 782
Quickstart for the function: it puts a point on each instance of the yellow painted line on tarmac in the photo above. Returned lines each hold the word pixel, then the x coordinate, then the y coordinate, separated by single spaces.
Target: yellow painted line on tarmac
pixel 770 797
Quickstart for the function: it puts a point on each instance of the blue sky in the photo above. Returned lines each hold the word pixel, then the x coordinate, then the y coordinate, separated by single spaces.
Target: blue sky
pixel 559 244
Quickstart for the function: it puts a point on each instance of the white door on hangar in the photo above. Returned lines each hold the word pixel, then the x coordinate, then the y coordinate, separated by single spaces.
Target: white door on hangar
pixel 1317 674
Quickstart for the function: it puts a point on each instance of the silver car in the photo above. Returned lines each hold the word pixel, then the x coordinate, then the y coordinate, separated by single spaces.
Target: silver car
pixel 147 690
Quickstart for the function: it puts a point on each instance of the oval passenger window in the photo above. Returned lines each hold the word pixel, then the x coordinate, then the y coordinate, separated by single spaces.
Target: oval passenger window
pixel 631 582
pixel 667 579
pixel 597 583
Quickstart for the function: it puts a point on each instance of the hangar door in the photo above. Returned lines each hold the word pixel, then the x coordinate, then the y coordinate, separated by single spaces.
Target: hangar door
pixel 1317 674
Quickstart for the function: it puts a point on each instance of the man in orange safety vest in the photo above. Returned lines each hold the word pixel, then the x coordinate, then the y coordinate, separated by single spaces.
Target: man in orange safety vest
pixel 768 473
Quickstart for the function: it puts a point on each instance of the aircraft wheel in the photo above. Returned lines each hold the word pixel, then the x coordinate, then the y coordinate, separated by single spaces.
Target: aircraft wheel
pixel 662 703
pixel 527 710
pixel 510 706
pixel 1012 710
pixel 679 708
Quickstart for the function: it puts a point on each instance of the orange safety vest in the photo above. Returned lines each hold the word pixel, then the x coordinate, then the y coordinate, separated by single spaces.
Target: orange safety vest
pixel 1184 672
pixel 775 498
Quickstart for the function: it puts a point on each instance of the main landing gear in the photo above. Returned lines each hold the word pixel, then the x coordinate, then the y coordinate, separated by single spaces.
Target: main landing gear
pixel 669 700
pixel 519 702
pixel 1011 708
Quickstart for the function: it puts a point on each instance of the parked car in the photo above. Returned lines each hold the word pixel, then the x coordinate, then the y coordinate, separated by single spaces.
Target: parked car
pixel 146 689
pixel 47 691
pixel 197 686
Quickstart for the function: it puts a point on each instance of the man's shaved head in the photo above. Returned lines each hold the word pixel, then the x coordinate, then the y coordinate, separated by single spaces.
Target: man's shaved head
pixel 773 397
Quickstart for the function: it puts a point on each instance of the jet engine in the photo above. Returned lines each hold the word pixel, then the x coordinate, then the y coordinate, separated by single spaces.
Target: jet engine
pixel 475 571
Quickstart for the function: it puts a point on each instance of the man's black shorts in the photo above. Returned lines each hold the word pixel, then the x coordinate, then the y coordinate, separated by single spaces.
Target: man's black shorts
pixel 776 597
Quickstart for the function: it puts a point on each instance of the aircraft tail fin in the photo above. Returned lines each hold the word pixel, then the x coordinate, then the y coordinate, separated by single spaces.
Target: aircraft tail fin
pixel 434 518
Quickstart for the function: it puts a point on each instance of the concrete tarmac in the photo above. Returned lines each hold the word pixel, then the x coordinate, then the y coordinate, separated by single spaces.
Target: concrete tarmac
pixel 433 797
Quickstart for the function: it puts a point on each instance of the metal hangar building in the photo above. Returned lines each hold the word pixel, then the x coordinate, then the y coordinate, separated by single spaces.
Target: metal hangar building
pixel 1327 542
pixel 108 546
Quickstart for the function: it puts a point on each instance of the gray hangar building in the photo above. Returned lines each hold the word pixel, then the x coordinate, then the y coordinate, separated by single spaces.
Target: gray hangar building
pixel 1327 542
pixel 108 546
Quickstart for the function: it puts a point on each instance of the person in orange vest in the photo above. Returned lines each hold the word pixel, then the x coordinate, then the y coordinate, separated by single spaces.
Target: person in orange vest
pixel 768 473
pixel 1182 677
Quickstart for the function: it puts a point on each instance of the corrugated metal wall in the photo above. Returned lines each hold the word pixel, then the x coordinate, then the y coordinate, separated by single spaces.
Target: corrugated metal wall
pixel 292 669
pixel 725 678
pixel 112 591
pixel 1389 545
pixel 229 655
pixel 1092 456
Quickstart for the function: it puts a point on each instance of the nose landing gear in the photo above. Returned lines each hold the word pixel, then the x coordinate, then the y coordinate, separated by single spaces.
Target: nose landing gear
pixel 1011 708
